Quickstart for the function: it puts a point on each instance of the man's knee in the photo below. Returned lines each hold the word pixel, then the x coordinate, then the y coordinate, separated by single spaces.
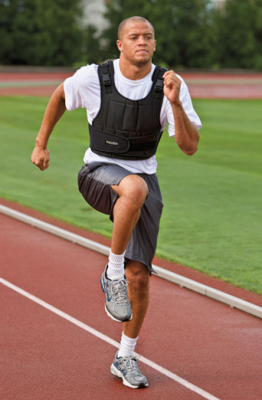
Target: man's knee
pixel 134 189
pixel 138 276
pixel 140 283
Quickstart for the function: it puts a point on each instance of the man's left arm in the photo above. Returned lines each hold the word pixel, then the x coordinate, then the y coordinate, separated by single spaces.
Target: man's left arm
pixel 187 135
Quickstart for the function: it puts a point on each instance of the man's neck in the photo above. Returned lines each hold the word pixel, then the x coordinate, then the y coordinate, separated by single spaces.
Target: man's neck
pixel 134 72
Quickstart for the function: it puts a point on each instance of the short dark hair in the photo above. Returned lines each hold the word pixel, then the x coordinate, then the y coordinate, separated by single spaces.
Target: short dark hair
pixel 131 19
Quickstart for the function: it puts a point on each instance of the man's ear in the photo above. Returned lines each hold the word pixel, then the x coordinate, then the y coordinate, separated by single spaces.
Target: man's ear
pixel 119 45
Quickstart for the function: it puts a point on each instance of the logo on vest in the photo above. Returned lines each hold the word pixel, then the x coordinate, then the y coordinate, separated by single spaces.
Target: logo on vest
pixel 111 143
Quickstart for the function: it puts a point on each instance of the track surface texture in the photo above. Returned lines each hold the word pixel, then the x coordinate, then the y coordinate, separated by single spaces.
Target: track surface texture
pixel 201 85
pixel 43 356
pixel 187 272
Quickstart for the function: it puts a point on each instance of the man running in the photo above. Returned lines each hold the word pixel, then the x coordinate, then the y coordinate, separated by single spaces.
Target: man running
pixel 129 102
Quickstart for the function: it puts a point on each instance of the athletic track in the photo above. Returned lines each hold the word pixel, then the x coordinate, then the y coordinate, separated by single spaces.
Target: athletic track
pixel 207 349
pixel 216 350
pixel 201 85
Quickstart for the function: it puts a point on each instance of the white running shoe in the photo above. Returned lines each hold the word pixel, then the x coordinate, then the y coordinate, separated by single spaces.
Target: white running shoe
pixel 127 369
pixel 117 304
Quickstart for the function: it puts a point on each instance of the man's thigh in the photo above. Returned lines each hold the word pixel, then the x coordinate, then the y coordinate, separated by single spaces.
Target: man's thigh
pixel 143 242
pixel 95 182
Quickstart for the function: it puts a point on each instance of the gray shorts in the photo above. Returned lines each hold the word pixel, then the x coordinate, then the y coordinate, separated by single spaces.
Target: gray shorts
pixel 95 180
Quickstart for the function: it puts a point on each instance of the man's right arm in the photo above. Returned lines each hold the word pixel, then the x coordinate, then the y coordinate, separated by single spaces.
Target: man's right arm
pixel 54 111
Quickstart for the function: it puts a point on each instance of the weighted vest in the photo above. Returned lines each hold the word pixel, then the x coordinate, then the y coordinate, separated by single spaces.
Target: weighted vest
pixel 127 129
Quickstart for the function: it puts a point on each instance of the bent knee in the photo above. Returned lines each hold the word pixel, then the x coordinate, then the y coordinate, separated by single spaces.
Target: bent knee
pixel 138 276
pixel 137 196
pixel 134 189
pixel 139 283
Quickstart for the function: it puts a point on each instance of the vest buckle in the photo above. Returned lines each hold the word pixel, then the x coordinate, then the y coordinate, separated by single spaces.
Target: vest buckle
pixel 106 79
pixel 159 85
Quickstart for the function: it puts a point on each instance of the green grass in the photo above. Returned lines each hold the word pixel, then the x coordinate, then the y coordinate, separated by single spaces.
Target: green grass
pixel 212 201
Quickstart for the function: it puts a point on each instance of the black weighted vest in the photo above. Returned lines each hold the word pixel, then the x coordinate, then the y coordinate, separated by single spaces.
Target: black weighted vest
pixel 126 129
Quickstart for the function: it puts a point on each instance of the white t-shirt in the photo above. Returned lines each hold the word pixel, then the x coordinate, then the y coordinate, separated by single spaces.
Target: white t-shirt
pixel 83 90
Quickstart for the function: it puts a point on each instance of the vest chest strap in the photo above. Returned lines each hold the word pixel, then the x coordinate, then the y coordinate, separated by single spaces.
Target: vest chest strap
pixel 102 141
pixel 116 146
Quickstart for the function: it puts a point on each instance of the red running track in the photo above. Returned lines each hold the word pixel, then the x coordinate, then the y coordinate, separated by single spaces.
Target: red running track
pixel 43 356
pixel 223 91
pixel 201 85
pixel 211 91
pixel 33 76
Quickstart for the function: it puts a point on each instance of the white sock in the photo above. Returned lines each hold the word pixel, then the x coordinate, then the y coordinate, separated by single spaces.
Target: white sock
pixel 127 346
pixel 116 268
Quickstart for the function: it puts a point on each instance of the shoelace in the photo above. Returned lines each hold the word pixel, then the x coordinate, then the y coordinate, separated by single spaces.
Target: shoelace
pixel 131 364
pixel 118 290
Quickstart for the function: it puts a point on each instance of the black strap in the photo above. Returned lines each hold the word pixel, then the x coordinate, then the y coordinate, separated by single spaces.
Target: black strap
pixel 106 77
pixel 116 146
pixel 158 75
pixel 107 142
pixel 105 74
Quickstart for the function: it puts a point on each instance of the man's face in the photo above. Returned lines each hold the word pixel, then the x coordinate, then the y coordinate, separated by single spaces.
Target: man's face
pixel 137 43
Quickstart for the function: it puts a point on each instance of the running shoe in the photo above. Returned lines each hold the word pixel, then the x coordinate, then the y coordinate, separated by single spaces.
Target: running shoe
pixel 127 369
pixel 117 304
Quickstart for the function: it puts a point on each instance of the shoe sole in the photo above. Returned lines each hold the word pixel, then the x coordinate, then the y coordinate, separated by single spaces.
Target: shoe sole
pixel 109 314
pixel 114 371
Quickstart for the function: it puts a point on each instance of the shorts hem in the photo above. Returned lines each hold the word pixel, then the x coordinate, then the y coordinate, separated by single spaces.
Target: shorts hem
pixel 147 264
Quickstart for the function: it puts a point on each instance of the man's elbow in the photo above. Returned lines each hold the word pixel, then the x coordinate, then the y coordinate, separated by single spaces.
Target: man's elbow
pixel 191 149
pixel 190 152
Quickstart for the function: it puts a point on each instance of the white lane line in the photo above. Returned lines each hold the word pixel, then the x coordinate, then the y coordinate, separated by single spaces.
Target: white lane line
pixel 161 272
pixel 107 339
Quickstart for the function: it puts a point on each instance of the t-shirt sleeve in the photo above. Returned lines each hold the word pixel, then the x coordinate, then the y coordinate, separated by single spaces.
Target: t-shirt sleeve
pixel 188 107
pixel 81 87
pixel 72 88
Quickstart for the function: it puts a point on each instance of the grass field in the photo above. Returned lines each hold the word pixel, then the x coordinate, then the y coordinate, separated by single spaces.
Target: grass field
pixel 212 201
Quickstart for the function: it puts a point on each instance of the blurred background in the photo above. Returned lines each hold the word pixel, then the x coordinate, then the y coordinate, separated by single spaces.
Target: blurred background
pixel 206 34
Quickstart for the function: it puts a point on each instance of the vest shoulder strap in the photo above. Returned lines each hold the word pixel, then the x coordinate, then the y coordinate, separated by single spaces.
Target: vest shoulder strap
pixel 158 80
pixel 106 73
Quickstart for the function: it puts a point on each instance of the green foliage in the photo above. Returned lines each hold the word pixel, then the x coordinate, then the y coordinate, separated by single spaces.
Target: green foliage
pixel 189 33
pixel 40 32
pixel 238 34
pixel 93 51
pixel 193 34
pixel 182 29
pixel 92 45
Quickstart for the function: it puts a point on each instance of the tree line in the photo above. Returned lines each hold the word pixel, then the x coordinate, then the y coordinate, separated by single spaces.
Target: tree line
pixel 189 33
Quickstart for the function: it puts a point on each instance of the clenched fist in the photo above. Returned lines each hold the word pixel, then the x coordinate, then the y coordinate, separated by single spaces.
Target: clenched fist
pixel 171 86
pixel 40 157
